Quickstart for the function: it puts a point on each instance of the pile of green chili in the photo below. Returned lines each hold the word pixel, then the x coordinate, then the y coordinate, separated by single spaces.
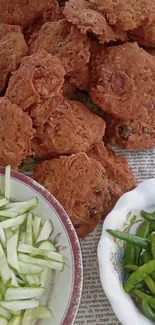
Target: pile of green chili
pixel 139 264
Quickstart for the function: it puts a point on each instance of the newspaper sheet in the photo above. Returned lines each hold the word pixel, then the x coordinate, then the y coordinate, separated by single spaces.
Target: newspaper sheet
pixel 94 308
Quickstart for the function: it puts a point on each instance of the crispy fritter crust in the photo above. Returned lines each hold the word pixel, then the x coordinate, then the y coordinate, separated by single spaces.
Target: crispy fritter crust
pixel 80 185
pixel 61 39
pixel 88 19
pixel 40 77
pixel 135 134
pixel 23 13
pixel 126 14
pixel 16 134
pixel 12 48
pixel 123 81
pixel 70 128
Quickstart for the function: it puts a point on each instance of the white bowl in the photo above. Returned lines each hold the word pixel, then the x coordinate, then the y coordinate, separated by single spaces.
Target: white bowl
pixel 64 289
pixel 110 251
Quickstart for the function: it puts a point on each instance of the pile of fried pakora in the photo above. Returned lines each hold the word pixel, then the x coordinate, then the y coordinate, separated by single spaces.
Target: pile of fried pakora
pixel 49 50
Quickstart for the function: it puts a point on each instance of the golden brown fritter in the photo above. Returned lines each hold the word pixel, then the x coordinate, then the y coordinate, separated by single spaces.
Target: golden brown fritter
pixel 144 35
pixel 123 81
pixel 70 128
pixel 23 13
pixel 116 167
pixel 16 134
pixel 89 20
pixel 126 14
pixel 80 185
pixel 40 77
pixel 72 48
pixel 138 134
pixel 120 177
pixel 12 48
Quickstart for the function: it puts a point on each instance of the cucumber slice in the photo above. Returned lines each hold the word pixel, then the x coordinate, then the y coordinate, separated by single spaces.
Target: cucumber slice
pixel 43 277
pixel 31 281
pixel 12 210
pixel 36 227
pixel 5 313
pixel 40 252
pixel 3 321
pixel 45 231
pixel 2 289
pixel 3 202
pixel 17 305
pixel 13 222
pixel 40 312
pixel 15 320
pixel 2 237
pixel 22 237
pixel 41 262
pixel 48 245
pixel 29 269
pixel 29 236
pixel 23 207
pixel 7 182
pixel 4 268
pixel 8 233
pixel 14 282
pixel 23 293
pixel 12 251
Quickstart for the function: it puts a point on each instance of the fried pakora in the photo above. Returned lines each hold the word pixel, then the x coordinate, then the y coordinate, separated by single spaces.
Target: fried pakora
pixel 135 134
pixel 126 14
pixel 40 77
pixel 16 134
pixel 70 46
pixel 81 186
pixel 70 128
pixel 12 48
pixel 89 20
pixel 123 81
pixel 23 13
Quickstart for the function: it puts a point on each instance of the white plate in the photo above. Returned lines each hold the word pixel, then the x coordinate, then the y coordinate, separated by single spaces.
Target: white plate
pixel 110 252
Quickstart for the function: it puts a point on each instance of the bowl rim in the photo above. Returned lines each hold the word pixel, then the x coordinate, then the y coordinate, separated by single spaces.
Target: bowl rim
pixel 75 244
pixel 141 197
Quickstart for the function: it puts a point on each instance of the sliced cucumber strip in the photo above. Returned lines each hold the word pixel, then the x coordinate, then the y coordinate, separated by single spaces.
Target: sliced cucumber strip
pixel 8 233
pixel 17 305
pixel 4 268
pixel 29 269
pixel 23 248
pixel 3 321
pixel 15 320
pixel 12 210
pixel 40 312
pixel 13 222
pixel 3 202
pixel 41 262
pixel 45 231
pixel 2 237
pixel 23 293
pixel 22 237
pixel 29 235
pixel 36 227
pixel 5 313
pixel 7 182
pixel 44 277
pixel 48 245
pixel 12 252
pixel 14 282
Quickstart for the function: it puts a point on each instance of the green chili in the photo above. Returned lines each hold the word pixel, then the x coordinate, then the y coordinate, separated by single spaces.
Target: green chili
pixel 147 310
pixel 139 275
pixel 148 279
pixel 144 296
pixel 148 216
pixel 153 244
pixel 143 231
pixel 134 240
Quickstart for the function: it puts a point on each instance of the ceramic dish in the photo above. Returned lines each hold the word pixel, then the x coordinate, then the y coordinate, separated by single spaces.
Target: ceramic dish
pixel 64 289
pixel 110 251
